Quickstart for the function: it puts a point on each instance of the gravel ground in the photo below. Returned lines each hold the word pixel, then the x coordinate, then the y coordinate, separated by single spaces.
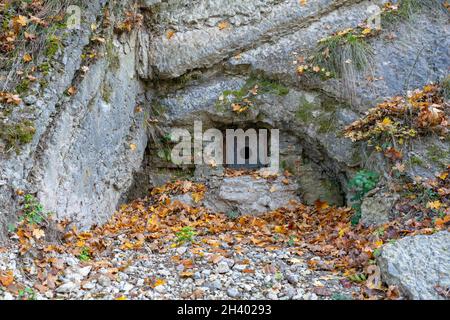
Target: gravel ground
pixel 179 273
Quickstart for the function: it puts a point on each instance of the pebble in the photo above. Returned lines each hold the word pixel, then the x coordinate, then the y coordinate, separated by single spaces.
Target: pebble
pixel 292 278
pixel 233 292
pixel 8 296
pixel 29 100
pixel 206 272
pixel 240 267
pixel 140 282
pixel 160 289
pixel 88 286
pixel 310 296
pixel 217 284
pixel 165 272
pixel 104 281
pixel 84 272
pixel 223 267
pixel 127 287
pixel 180 268
pixel 67 287
pixel 272 296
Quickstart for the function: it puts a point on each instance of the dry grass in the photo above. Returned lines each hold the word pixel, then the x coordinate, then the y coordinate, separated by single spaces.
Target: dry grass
pixel 346 56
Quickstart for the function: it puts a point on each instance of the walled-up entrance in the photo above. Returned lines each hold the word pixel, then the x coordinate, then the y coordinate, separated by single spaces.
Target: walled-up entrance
pixel 246 149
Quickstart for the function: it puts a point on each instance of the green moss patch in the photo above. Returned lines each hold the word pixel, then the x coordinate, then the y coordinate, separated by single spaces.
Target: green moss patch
pixel 17 134
pixel 247 94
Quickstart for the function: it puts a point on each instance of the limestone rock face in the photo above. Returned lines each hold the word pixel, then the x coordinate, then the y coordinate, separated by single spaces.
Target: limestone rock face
pixel 88 148
pixel 418 265
pixel 80 159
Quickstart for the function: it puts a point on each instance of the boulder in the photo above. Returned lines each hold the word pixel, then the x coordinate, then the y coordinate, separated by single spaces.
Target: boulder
pixel 375 210
pixel 419 266
pixel 250 195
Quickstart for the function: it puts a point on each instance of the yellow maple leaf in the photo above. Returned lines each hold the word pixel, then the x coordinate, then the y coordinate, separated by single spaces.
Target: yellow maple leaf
pixel 342 232
pixel 366 31
pixel 280 229
pixel 434 204
pixel 378 243
pixel 301 69
pixel 127 245
pixel 197 196
pixel 27 57
pixel 159 282
pixel 443 175
pixel 387 121
pixel 19 22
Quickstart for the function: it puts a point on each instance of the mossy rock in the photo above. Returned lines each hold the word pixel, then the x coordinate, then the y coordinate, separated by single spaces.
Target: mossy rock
pixel 323 120
pixel 264 86
pixel 438 156
pixel 16 134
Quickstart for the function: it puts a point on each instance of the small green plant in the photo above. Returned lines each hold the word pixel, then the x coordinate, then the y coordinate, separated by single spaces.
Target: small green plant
pixel 278 276
pixel 23 86
pixel 291 241
pixel 44 67
pixel 343 55
pixel 11 228
pixel 165 154
pixel 379 232
pixel 438 155
pixel 232 214
pixel 27 294
pixel 33 211
pixel 416 161
pixel 361 184
pixel 186 234
pixel 167 138
pixel 53 45
pixel 84 255
pixel 357 277
pixel 376 252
